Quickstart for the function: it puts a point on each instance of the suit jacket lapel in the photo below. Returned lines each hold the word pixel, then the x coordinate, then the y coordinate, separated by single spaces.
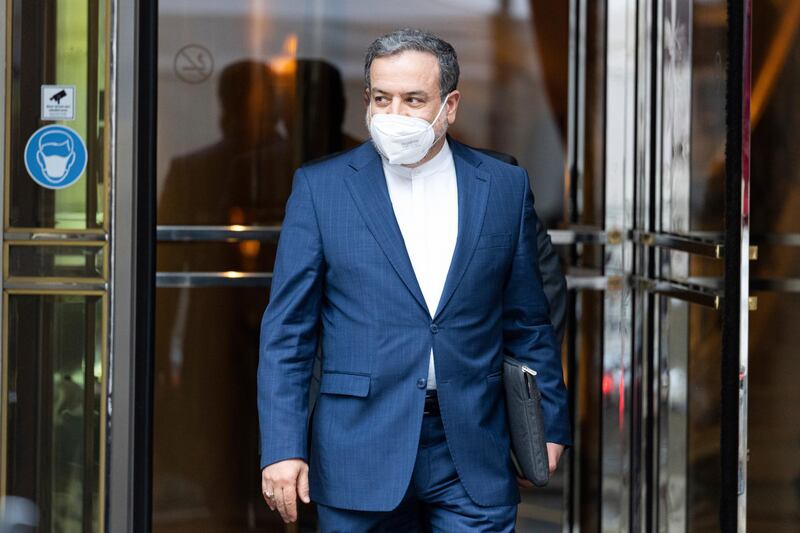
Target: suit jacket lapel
pixel 473 195
pixel 367 185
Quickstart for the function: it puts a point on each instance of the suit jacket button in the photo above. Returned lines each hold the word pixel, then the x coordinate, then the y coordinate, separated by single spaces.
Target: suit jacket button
pixel 421 383
pixel 434 328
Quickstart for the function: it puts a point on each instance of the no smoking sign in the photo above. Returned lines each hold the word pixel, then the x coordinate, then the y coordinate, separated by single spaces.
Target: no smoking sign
pixel 194 63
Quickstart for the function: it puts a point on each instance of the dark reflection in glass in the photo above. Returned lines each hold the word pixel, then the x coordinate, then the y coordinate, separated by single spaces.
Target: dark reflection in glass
pixel 703 403
pixel 206 472
pixel 244 256
pixel 273 118
pixel 71 261
pixel 588 392
pixel 54 407
pixel 586 208
pixel 57 46
pixel 222 182
pixel 694 382
pixel 589 196
pixel 704 270
pixel 206 445
pixel 709 57
pixel 773 480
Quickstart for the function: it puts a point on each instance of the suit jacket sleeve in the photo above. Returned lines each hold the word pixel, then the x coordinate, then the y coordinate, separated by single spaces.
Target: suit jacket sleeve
pixel 289 330
pixel 528 334
pixel 554 283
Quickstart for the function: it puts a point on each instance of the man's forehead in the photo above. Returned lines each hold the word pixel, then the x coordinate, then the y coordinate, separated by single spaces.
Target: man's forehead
pixel 405 72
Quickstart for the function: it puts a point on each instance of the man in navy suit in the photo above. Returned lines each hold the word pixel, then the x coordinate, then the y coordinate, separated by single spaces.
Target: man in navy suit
pixel 412 260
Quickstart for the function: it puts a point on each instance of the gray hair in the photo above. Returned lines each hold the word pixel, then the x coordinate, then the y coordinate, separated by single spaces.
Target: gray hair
pixel 421 41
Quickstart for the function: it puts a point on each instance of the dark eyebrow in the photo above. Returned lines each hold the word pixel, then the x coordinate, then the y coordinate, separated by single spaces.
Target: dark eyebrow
pixel 422 94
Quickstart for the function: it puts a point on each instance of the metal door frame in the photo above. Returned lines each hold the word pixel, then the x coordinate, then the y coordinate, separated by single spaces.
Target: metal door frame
pixel 735 366
pixel 133 102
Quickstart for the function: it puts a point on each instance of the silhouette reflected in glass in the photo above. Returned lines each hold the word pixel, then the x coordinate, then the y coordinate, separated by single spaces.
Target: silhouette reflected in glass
pixel 205 450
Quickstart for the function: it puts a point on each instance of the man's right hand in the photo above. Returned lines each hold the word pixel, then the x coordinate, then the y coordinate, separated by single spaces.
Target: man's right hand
pixel 284 481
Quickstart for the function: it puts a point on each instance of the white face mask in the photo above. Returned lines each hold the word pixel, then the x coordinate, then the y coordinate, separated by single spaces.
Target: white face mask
pixel 55 167
pixel 403 140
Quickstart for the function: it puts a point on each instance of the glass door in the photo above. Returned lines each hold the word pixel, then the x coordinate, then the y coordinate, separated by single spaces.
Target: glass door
pixel 659 255
pixel 55 254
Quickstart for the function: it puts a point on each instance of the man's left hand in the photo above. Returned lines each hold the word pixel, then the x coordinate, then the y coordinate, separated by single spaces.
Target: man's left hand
pixel 554 452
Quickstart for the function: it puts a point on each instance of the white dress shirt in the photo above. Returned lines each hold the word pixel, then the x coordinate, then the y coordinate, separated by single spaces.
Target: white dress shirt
pixel 425 202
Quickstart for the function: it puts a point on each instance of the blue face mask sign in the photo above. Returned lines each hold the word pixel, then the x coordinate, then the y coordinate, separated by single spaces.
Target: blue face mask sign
pixel 55 156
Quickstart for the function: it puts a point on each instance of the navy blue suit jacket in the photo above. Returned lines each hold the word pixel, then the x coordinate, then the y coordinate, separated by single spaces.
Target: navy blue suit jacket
pixel 343 278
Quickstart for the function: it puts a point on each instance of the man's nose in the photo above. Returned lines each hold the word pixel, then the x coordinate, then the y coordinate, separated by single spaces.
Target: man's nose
pixel 397 106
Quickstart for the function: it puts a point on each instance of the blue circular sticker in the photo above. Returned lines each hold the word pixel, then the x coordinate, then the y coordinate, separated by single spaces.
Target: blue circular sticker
pixel 55 156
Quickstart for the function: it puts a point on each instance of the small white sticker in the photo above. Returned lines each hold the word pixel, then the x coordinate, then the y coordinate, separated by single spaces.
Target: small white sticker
pixel 58 102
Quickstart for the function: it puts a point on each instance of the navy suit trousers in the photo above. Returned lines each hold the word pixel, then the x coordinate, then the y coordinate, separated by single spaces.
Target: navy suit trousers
pixel 434 501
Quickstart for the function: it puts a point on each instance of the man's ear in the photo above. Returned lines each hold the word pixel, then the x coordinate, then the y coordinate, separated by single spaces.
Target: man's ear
pixel 366 97
pixel 452 106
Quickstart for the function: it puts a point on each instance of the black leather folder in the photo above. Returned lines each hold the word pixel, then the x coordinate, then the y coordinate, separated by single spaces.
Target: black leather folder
pixel 525 420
